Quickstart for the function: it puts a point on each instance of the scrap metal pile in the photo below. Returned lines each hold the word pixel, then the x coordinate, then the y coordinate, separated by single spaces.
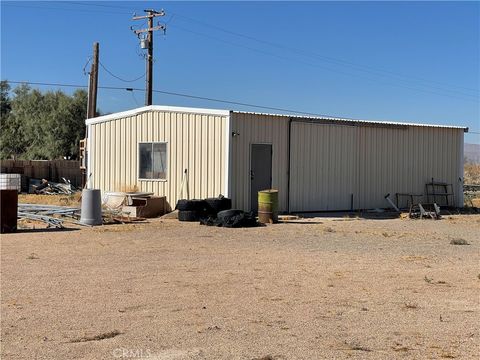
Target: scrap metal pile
pixel 52 215
pixel 422 211
pixel 50 188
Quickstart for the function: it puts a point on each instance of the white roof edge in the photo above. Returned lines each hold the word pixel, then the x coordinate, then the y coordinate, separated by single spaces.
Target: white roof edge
pixel 377 122
pixel 140 110
pixel 219 112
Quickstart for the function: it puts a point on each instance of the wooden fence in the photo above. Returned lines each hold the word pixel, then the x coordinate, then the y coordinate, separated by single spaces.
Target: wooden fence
pixel 52 170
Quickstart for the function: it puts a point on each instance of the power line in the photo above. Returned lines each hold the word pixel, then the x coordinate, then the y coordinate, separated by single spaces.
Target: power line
pixel 332 60
pixel 133 96
pixel 118 77
pixel 86 64
pixel 318 56
pixel 462 96
pixel 180 95
pixel 191 97
pixel 94 4
pixel 61 9
pixel 459 94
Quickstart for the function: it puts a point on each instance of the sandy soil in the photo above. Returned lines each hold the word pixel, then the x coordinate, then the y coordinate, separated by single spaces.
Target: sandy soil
pixel 316 289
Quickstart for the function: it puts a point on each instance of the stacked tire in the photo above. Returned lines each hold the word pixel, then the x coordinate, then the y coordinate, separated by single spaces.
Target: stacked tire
pixel 195 210
pixel 215 205
pixel 191 210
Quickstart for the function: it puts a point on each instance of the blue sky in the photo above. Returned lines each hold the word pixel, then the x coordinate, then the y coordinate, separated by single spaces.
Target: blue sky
pixel 399 61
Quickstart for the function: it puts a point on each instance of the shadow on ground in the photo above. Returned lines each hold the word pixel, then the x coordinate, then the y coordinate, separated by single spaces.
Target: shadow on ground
pixel 26 231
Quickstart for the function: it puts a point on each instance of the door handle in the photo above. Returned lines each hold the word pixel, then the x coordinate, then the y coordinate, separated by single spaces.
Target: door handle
pixel 252 174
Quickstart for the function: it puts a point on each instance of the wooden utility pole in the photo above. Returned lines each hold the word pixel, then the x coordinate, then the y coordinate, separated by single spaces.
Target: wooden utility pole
pixel 93 84
pixel 148 44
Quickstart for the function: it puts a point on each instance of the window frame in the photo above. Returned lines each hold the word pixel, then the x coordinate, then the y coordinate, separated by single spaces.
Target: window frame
pixel 138 159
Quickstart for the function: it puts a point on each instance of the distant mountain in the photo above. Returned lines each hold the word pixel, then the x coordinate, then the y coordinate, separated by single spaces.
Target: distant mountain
pixel 471 152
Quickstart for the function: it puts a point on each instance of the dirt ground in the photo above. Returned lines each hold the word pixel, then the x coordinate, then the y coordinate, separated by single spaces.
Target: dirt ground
pixel 322 288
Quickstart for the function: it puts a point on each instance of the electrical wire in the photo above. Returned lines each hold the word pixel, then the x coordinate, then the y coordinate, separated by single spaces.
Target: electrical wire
pixel 180 95
pixel 85 66
pixel 134 98
pixel 94 4
pixel 61 9
pixel 193 97
pixel 318 56
pixel 462 96
pixel 335 61
pixel 118 77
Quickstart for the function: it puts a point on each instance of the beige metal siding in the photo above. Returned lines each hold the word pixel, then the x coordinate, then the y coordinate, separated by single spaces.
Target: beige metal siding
pixel 343 167
pixel 403 160
pixel 253 129
pixel 331 163
pixel 195 142
pixel 323 164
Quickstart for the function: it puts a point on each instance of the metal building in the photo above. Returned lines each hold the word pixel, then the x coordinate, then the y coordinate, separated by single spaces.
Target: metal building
pixel 317 164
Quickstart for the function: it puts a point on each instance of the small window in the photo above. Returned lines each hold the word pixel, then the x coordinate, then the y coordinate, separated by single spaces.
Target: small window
pixel 152 161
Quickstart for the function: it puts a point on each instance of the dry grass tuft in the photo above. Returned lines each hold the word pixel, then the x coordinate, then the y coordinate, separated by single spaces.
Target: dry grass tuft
pixel 129 188
pixel 410 305
pixel 447 355
pixel 357 347
pixel 61 200
pixel 98 337
pixel 471 173
pixel 269 357
pixel 427 279
pixel 32 256
pixel 401 348
pixel 459 242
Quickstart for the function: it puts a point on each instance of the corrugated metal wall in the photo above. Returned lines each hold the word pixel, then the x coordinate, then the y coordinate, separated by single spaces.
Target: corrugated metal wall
pixel 340 167
pixel 403 160
pixel 195 142
pixel 323 164
pixel 331 163
pixel 253 128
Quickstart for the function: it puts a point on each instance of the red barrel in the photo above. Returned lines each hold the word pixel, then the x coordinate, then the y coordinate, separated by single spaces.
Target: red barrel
pixel 8 210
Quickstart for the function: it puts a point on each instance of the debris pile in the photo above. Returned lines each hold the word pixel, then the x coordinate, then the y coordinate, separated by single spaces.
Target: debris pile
pixel 421 211
pixel 50 188
pixel 52 215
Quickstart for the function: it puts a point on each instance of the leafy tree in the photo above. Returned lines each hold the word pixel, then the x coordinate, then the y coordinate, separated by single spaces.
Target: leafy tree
pixel 6 105
pixel 45 125
pixel 12 141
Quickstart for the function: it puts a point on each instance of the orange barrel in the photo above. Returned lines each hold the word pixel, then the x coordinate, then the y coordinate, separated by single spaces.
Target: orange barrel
pixel 268 206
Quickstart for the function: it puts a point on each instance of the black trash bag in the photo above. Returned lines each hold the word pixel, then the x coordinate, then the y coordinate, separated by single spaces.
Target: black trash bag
pixel 231 219
pixel 226 214
pixel 241 220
